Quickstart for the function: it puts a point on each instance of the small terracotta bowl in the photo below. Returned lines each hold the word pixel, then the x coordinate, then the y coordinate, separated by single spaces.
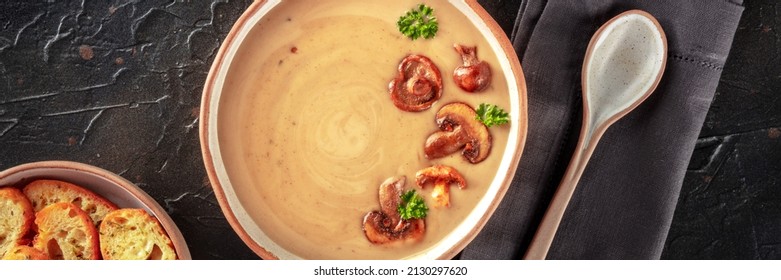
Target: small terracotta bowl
pixel 107 184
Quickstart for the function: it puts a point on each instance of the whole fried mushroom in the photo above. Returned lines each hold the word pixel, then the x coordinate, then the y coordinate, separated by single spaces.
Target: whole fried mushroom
pixel 474 75
pixel 442 177
pixel 417 85
pixel 386 225
pixel 460 130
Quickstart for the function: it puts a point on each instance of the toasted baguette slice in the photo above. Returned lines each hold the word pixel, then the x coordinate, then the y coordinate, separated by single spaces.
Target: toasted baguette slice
pixel 66 232
pixel 43 193
pixel 16 218
pixel 133 234
pixel 24 252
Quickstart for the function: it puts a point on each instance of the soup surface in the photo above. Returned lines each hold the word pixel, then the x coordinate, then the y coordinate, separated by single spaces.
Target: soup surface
pixel 308 131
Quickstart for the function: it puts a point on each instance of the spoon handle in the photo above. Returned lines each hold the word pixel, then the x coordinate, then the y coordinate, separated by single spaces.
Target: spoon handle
pixel 541 242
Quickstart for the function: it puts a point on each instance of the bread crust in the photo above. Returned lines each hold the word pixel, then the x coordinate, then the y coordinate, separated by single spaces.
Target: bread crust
pixel 134 234
pixel 66 232
pixel 16 218
pixel 24 252
pixel 43 193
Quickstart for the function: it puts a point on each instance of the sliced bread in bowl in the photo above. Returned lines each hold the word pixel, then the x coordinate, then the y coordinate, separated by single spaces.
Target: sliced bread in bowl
pixel 24 252
pixel 46 192
pixel 16 218
pixel 66 232
pixel 133 234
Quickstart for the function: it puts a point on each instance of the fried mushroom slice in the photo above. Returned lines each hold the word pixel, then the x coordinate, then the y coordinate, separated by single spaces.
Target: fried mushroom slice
pixel 386 226
pixel 442 177
pixel 460 130
pixel 474 75
pixel 417 85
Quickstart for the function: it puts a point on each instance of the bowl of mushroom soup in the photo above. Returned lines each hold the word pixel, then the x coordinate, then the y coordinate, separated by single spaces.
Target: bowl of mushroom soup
pixel 362 129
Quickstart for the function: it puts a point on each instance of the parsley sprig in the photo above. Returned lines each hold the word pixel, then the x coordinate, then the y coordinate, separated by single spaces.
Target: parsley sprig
pixel 491 115
pixel 418 23
pixel 412 206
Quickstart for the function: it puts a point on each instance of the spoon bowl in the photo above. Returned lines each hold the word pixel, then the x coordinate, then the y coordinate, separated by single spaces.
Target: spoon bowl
pixel 623 65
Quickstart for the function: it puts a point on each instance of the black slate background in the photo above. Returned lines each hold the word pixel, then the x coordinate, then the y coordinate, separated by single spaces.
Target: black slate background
pixel 117 84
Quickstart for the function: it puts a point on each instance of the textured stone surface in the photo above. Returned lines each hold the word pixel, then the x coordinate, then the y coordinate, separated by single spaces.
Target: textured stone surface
pixel 117 84
pixel 730 203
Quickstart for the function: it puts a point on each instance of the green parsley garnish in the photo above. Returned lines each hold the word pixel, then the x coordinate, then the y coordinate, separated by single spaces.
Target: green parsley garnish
pixel 412 206
pixel 491 115
pixel 419 23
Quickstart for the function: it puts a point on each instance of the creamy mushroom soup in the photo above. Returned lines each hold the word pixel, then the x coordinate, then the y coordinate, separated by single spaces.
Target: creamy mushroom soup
pixel 308 131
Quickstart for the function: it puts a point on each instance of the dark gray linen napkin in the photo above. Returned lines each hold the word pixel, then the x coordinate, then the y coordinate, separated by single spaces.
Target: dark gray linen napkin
pixel 625 201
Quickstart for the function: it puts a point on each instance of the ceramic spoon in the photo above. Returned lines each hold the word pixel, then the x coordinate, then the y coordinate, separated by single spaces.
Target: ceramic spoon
pixel 623 64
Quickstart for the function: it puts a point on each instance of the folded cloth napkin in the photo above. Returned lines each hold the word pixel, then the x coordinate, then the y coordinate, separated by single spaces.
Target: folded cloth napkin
pixel 624 203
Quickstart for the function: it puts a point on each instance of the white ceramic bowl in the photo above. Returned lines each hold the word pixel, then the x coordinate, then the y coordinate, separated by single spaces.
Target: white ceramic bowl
pixel 111 186
pixel 247 228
